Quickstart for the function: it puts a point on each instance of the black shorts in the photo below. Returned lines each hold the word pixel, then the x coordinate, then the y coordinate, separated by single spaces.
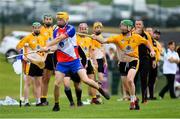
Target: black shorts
pixel 100 65
pixel 89 68
pixel 50 62
pixel 34 70
pixel 124 67
pixel 74 77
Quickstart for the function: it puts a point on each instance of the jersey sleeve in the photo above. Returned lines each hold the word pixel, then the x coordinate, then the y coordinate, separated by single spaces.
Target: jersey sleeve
pixel 149 38
pixel 70 31
pixel 140 40
pixel 54 33
pixel 112 39
pixel 22 42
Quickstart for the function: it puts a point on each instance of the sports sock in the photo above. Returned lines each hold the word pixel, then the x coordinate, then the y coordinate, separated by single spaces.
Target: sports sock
pixel 43 99
pixel 26 101
pixel 132 98
pixel 78 94
pixel 68 94
pixel 38 100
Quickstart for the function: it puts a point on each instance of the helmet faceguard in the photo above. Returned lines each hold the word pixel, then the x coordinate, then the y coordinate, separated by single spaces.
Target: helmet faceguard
pixel 83 28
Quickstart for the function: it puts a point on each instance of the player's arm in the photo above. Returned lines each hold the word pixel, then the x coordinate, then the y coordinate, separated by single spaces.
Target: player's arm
pixel 141 40
pixel 69 33
pixel 22 43
pixel 99 38
pixel 151 49
pixel 57 40
pixel 102 40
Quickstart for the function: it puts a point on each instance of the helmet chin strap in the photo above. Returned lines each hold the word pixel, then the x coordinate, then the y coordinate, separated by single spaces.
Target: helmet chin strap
pixel 64 25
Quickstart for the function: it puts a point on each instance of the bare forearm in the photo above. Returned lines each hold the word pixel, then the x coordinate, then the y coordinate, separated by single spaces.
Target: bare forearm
pixel 56 41
pixel 150 46
pixel 99 39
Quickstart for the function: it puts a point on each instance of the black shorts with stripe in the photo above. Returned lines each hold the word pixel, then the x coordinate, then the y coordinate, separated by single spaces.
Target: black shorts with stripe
pixel 74 77
pixel 90 69
pixel 124 67
pixel 100 65
pixel 34 70
pixel 50 62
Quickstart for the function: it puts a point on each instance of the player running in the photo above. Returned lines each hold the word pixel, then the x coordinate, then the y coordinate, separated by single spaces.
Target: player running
pixel 74 77
pixel 128 43
pixel 67 56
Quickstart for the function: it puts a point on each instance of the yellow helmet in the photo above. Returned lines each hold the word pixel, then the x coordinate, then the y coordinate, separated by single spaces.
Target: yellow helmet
pixel 96 24
pixel 63 15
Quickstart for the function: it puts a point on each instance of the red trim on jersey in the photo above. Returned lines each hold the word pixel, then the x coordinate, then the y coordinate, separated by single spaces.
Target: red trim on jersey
pixel 63 57
pixel 76 51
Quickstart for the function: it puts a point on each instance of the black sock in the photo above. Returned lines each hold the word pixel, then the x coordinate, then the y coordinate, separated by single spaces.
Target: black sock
pixel 68 94
pixel 43 100
pixel 78 94
pixel 57 103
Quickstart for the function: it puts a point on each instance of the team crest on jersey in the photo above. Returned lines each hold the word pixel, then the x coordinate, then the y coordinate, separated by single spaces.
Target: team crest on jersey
pixel 61 44
pixel 122 41
pixel 49 39
pixel 128 49
pixel 34 41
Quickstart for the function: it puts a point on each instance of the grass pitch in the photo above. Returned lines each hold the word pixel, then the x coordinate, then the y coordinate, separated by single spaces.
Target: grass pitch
pixel 9 86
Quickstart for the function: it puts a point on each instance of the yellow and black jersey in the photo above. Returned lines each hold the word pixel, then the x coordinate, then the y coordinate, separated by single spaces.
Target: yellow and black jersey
pixel 98 48
pixel 34 42
pixel 47 32
pixel 128 44
pixel 158 49
pixel 85 43
pixel 143 50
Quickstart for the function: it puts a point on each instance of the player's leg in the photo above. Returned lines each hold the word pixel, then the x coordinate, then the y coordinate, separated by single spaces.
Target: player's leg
pixel 27 83
pixel 124 88
pixel 123 72
pixel 37 83
pixel 100 69
pixel 59 76
pixel 67 90
pixel 82 74
pixel 77 85
pixel 131 85
pixel 93 91
pixel 100 63
pixel 50 64
pixel 133 67
pixel 78 92
pixel 44 87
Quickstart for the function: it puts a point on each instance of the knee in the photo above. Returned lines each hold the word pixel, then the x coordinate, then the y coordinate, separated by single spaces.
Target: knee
pixel 45 79
pixel 27 84
pixel 129 81
pixel 77 86
pixel 67 88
